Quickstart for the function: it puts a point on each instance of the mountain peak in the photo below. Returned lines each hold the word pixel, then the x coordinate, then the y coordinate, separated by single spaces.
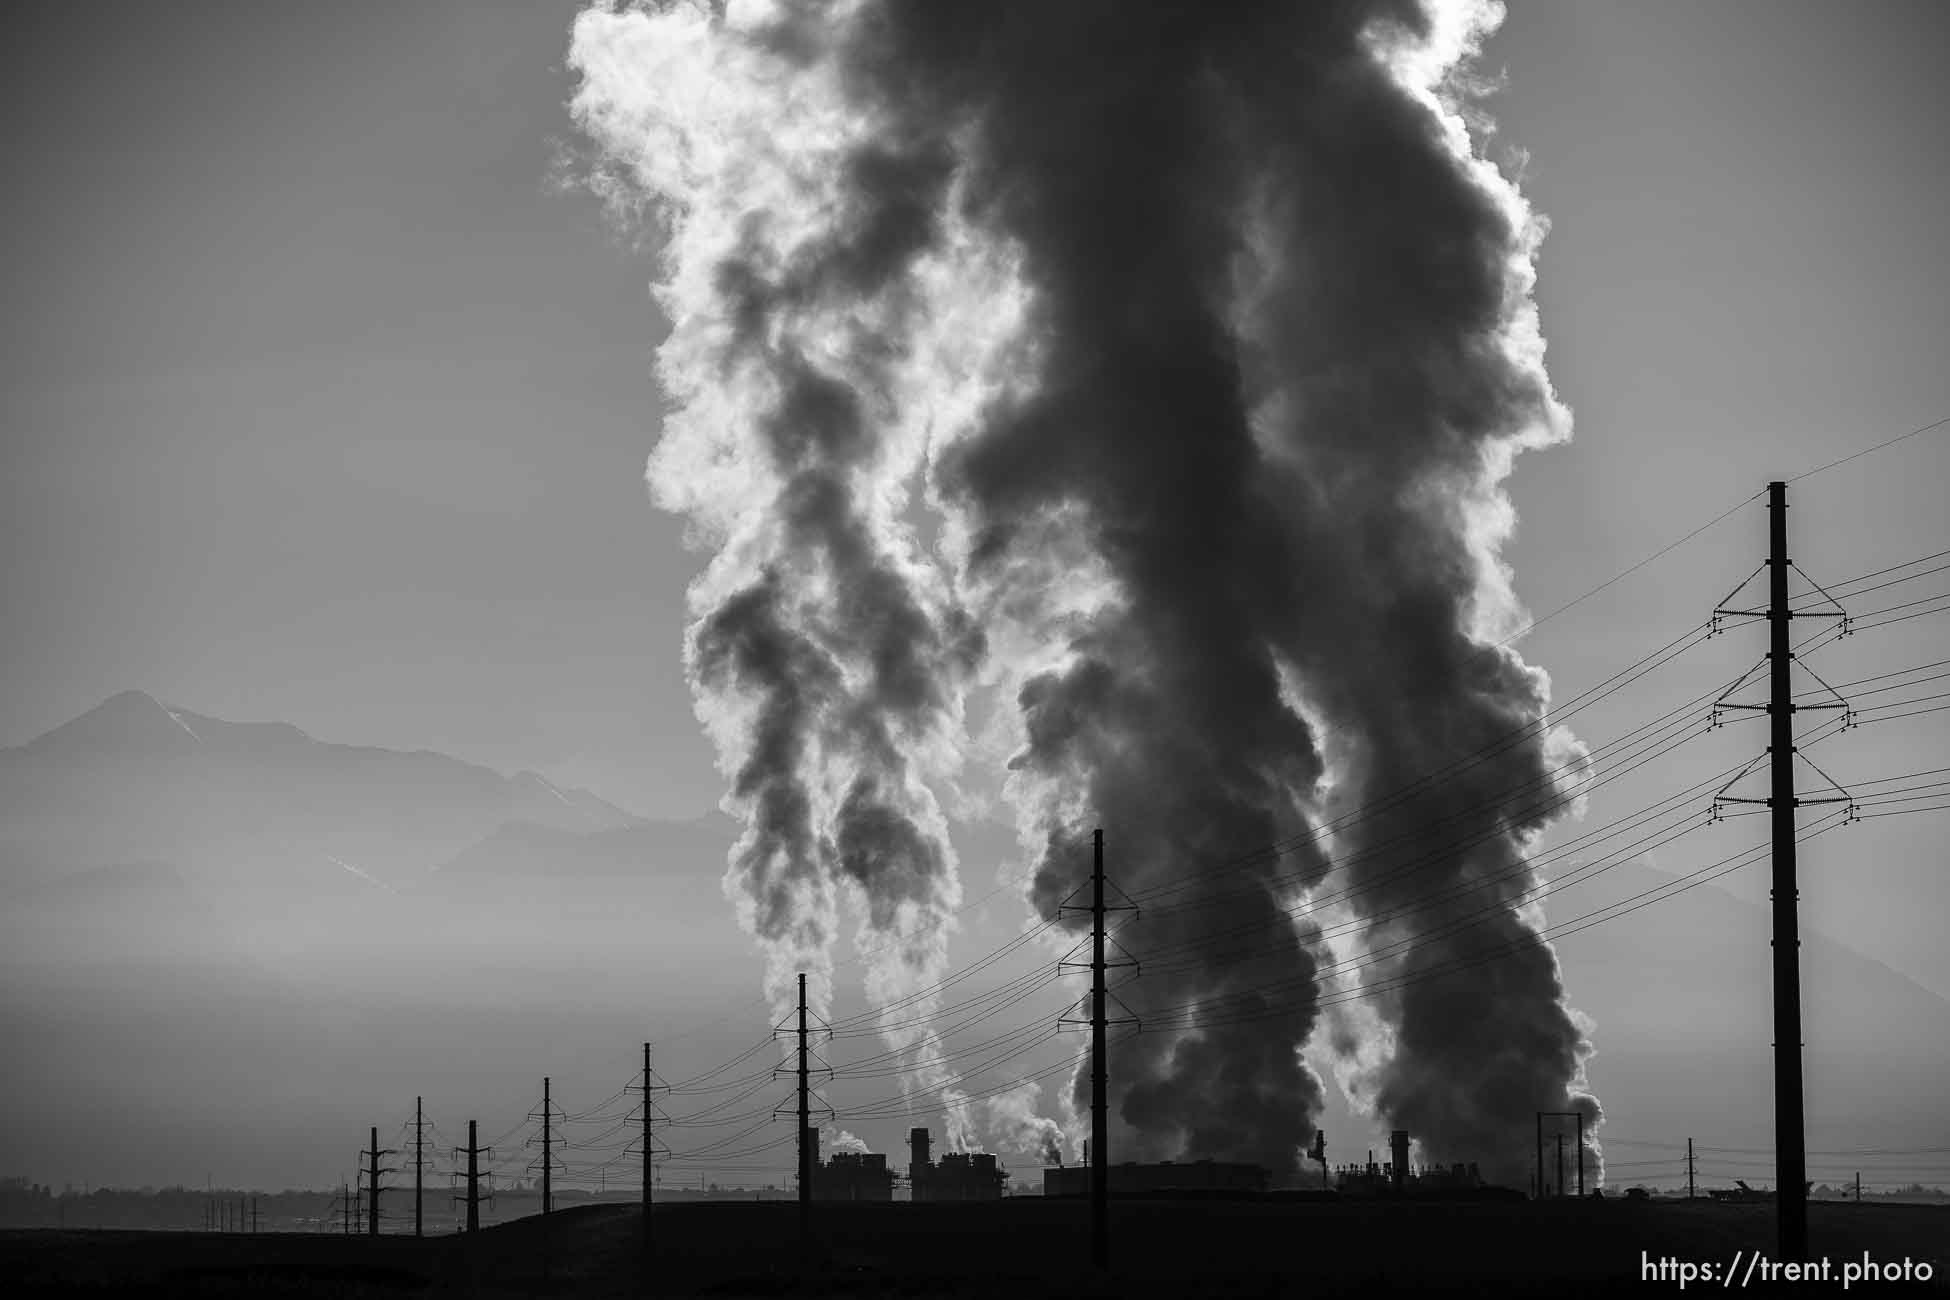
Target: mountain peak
pixel 129 704
pixel 125 721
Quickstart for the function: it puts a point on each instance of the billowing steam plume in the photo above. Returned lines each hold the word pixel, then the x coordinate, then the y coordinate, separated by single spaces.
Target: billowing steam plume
pixel 825 656
pixel 1214 336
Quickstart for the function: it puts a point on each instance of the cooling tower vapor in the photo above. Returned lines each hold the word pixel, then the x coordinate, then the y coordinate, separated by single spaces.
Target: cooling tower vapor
pixel 825 656
pixel 1211 338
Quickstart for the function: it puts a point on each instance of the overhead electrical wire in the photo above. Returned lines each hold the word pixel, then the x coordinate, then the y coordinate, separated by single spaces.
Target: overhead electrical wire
pixel 1866 451
pixel 1632 673
pixel 1692 710
pixel 990 1001
pixel 1530 941
pixel 1609 912
pixel 1491 749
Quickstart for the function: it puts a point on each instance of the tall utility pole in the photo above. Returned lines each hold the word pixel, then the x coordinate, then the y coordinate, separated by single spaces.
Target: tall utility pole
pixel 548 1156
pixel 1099 1070
pixel 1543 1187
pixel 1692 1190
pixel 1790 1147
pixel 547 1146
pixel 805 1123
pixel 473 1177
pixel 1096 1151
pixel 419 1163
pixel 1790 1120
pixel 372 1185
pixel 649 1238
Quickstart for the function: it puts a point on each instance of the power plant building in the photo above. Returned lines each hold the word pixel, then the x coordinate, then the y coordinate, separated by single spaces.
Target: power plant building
pixel 854 1176
pixel 1398 1178
pixel 849 1175
pixel 959 1176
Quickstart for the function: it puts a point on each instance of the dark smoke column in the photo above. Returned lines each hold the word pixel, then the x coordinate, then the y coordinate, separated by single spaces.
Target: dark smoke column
pixel 1398 368
pixel 1283 352
pixel 1112 508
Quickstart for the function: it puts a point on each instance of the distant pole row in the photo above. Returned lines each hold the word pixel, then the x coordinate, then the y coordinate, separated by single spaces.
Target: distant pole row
pixel 217 1216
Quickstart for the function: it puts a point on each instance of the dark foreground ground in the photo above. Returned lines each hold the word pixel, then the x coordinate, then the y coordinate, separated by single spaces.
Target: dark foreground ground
pixel 1018 1248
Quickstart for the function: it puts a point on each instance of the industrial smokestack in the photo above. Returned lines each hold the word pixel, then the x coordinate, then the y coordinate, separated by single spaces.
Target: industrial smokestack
pixel 918 1147
pixel 1211 335
pixel 1398 1148
pixel 919 1167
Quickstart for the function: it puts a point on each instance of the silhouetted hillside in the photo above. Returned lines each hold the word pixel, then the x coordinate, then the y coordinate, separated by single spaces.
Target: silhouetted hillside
pixel 1015 1248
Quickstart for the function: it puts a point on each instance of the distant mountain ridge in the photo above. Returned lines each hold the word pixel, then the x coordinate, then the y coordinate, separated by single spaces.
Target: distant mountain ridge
pixel 135 723
pixel 137 779
pixel 522 858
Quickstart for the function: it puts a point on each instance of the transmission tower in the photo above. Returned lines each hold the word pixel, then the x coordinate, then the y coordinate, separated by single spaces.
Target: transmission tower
pixel 347 1207
pixel 808 1135
pixel 1543 1115
pixel 1099 1066
pixel 548 1147
pixel 419 1164
pixel 1790 1144
pixel 473 1151
pixel 372 1174
pixel 650 1088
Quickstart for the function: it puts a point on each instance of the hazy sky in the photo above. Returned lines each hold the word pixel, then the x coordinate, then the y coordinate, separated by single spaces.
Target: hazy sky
pixel 323 404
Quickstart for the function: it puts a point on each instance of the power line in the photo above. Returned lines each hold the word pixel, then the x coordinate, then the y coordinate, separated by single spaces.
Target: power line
pixel 1554 934
pixel 1693 636
pixel 967 972
pixel 1854 455
pixel 901 1103
pixel 1626 573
